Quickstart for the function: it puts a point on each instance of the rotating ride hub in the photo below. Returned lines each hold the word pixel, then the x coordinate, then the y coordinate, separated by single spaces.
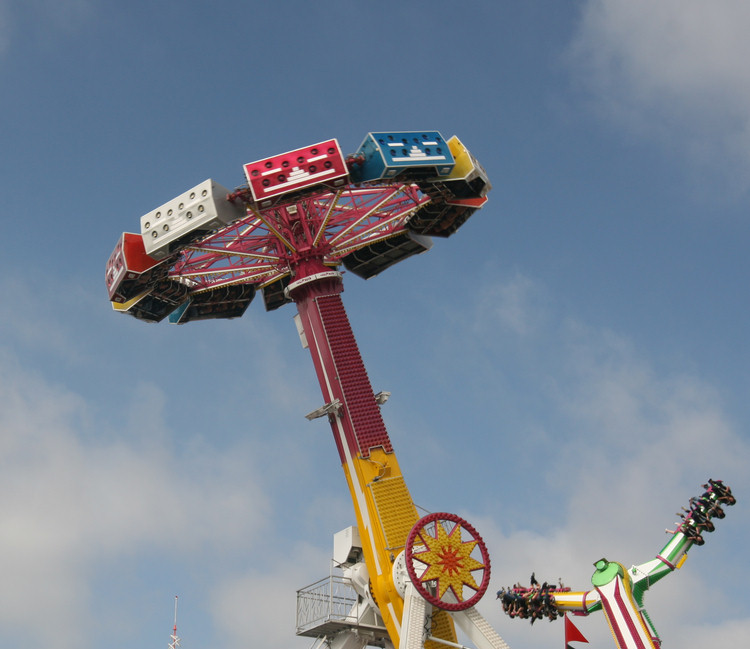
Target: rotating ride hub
pixel 205 253
pixel 286 234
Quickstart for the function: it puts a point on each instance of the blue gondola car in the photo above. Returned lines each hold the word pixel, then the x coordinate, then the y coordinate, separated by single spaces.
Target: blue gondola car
pixel 408 155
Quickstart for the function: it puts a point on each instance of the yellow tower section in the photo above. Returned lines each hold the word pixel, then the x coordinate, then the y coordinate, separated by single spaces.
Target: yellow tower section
pixel 383 506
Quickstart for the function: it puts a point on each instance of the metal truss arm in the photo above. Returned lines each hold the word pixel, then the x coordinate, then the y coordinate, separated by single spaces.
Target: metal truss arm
pixel 479 631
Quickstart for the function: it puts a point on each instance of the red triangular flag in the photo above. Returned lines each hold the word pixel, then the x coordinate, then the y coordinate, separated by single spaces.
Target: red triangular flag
pixel 572 634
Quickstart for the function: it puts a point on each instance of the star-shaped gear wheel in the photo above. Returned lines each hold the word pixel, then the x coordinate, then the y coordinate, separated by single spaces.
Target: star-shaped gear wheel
pixel 450 562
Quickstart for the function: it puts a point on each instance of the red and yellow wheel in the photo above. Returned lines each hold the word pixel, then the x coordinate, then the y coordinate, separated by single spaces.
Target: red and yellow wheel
pixel 447 561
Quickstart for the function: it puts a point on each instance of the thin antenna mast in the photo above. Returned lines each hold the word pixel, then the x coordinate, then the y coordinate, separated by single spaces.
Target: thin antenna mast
pixel 175 640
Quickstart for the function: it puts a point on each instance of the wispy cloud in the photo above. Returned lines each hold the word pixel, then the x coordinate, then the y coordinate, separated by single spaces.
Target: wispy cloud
pixel 675 70
pixel 633 442
pixel 261 604
pixel 71 504
pixel 516 304
pixel 49 17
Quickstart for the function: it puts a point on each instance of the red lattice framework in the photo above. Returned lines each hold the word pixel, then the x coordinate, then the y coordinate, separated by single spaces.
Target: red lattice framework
pixel 267 245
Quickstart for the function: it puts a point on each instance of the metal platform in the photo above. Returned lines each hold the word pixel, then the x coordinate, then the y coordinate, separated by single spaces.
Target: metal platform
pixel 329 606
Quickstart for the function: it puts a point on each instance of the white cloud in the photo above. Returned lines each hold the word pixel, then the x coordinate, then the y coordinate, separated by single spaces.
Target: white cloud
pixel 633 443
pixel 733 633
pixel 261 604
pixel 52 17
pixel 675 69
pixel 71 503
pixel 514 304
pixel 26 305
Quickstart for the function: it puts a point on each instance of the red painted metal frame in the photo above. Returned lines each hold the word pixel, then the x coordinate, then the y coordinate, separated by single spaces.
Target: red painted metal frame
pixel 305 239
pixel 275 242
pixel 341 372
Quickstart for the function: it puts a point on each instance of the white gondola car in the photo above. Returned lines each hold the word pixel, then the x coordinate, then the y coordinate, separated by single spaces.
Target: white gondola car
pixel 201 209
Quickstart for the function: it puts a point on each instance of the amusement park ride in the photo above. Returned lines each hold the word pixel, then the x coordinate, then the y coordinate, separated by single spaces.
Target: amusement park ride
pixel 405 581
pixel 619 592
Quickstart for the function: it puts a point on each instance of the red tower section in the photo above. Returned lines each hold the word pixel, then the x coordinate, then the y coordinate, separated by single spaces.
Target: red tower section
pixel 340 370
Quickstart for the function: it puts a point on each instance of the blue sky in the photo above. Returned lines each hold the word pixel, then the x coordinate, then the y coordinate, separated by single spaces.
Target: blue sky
pixel 566 371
